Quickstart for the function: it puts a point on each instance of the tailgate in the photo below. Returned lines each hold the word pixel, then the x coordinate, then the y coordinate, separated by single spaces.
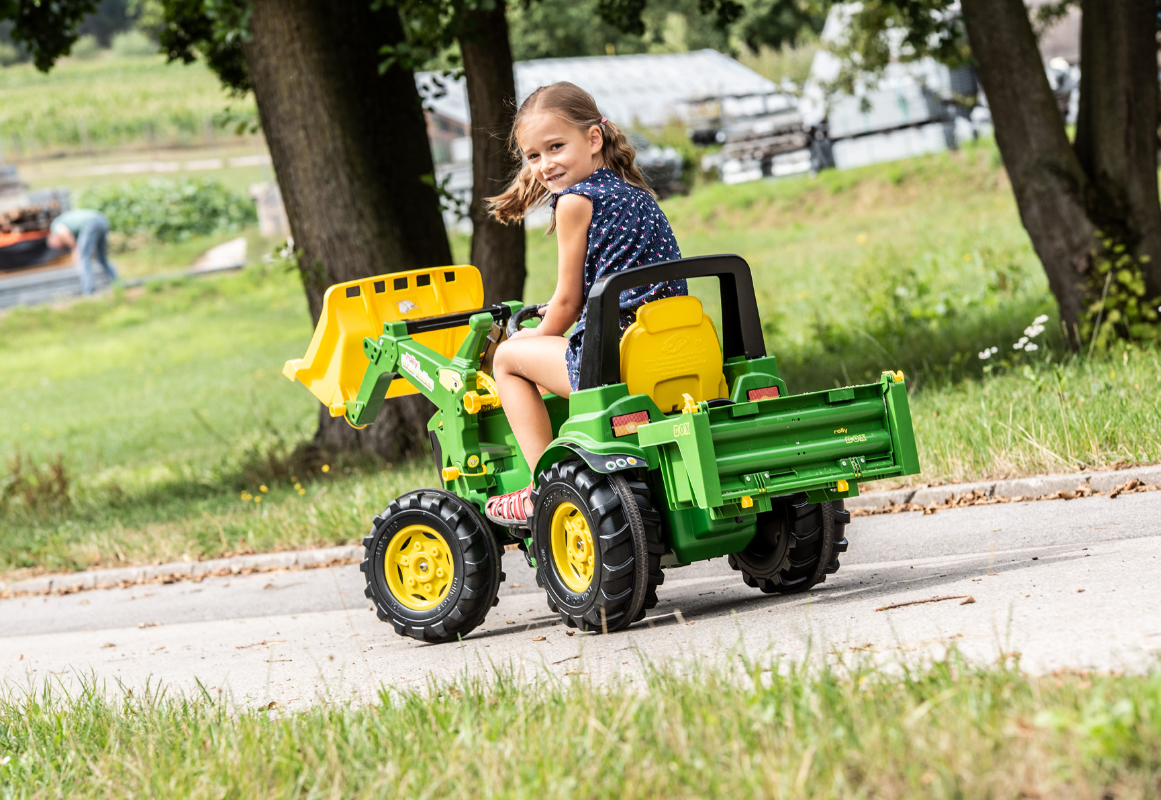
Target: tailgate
pixel 732 459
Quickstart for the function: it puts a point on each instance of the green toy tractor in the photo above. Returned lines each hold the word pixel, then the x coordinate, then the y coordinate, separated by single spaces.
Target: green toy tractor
pixel 675 448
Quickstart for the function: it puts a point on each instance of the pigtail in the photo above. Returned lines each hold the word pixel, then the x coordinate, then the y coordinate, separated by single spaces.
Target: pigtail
pixel 620 156
pixel 522 196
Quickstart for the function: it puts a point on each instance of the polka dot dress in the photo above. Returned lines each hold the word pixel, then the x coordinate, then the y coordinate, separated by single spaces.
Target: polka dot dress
pixel 628 230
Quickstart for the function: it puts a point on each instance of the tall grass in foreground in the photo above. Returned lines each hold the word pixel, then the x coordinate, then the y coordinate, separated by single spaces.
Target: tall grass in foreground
pixel 948 731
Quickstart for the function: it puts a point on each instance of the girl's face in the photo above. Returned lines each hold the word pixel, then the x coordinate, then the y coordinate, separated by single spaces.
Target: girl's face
pixel 560 154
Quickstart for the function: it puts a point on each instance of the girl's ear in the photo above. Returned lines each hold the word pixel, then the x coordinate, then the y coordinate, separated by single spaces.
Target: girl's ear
pixel 596 139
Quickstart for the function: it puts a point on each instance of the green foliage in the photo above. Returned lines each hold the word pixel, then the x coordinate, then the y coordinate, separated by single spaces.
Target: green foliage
pixel 215 30
pixel 786 63
pixel 882 31
pixel 133 43
pixel 8 54
pixel 760 728
pixel 30 488
pixel 85 48
pixel 46 29
pixel 1122 309
pixel 166 210
pixel 781 23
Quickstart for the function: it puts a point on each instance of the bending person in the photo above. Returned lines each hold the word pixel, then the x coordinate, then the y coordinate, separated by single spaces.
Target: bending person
pixel 85 233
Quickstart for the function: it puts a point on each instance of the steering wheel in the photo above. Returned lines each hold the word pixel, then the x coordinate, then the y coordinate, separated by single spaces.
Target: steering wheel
pixel 515 321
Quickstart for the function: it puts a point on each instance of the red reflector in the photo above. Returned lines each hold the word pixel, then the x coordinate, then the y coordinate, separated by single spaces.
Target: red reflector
pixel 763 394
pixel 627 423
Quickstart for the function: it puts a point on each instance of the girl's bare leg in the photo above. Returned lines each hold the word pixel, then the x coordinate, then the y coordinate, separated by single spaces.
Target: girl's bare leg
pixel 520 365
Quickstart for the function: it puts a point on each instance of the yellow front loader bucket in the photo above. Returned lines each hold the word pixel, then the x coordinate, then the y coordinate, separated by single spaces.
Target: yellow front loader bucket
pixel 335 363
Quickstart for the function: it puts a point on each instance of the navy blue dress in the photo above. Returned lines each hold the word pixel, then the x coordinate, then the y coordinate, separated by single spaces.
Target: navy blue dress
pixel 628 230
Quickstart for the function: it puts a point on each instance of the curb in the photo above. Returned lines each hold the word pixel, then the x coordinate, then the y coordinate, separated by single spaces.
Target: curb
pixel 1023 488
pixel 182 571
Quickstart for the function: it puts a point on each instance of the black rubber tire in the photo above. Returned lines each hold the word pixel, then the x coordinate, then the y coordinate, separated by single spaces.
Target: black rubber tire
pixel 842 518
pixel 627 533
pixel 475 555
pixel 794 548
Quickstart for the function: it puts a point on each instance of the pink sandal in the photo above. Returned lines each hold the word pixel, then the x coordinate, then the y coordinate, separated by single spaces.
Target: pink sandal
pixel 508 509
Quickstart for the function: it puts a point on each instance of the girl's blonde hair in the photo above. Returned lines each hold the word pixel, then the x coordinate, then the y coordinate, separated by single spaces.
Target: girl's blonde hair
pixel 575 106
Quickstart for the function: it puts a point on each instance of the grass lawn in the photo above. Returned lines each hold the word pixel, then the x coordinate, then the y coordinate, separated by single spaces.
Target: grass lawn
pixel 167 406
pixel 947 731
pixel 111 102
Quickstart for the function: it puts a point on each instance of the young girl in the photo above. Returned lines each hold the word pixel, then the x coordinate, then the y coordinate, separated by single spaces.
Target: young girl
pixel 606 220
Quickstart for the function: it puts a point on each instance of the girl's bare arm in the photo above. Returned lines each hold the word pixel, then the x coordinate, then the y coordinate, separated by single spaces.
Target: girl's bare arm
pixel 574 213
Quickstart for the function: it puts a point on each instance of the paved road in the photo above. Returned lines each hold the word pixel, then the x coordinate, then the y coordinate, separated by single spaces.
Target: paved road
pixel 1067 584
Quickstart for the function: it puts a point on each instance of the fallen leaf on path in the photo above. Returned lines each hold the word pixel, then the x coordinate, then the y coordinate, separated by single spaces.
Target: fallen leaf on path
pixel 258 644
pixel 148 624
pixel 570 633
pixel 107 644
pixel 570 658
pixel 965 597
pixel 979 497
pixel 538 638
pixel 968 601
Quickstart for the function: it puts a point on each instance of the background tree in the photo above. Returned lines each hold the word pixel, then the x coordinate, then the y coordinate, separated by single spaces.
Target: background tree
pixel 349 146
pixel 1090 206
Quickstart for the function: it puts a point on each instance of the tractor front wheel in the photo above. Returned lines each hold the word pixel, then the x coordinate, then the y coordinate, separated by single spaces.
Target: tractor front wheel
pixel 796 546
pixel 432 566
pixel 598 547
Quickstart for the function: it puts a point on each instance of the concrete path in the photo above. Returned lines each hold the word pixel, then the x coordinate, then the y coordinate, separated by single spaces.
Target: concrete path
pixel 1066 584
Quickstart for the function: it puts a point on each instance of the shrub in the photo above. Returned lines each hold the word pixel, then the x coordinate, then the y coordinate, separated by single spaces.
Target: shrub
pixel 85 48
pixel 130 44
pixel 164 210
pixel 33 487
pixel 9 55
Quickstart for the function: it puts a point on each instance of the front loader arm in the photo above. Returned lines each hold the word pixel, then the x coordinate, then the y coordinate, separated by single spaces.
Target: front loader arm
pixel 395 354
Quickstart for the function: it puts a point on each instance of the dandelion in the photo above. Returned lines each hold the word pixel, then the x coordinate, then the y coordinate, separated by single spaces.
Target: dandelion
pixel 263 488
pixel 257 499
pixel 967 257
pixel 326 467
pixel 861 238
pixel 302 491
pixel 1028 348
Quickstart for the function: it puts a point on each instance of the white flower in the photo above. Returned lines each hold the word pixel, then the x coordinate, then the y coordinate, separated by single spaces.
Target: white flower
pixel 1028 348
pixel 5 760
pixel 985 354
pixel 1040 320
pixel 1033 330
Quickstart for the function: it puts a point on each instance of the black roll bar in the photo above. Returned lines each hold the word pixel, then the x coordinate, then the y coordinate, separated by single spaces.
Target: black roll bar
pixel 600 363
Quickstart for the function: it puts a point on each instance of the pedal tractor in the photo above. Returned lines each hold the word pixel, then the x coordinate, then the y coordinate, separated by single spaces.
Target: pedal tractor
pixel 675 448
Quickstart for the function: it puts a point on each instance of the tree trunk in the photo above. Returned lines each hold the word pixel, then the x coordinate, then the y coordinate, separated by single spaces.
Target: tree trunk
pixel 349 147
pixel 497 250
pixel 1116 130
pixel 1049 182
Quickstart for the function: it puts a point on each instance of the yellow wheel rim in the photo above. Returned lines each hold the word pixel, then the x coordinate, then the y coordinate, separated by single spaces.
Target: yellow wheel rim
pixel 572 547
pixel 419 568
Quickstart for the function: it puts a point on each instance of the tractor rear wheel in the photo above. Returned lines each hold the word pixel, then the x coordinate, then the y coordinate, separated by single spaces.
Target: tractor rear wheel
pixel 597 543
pixel 796 546
pixel 432 566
